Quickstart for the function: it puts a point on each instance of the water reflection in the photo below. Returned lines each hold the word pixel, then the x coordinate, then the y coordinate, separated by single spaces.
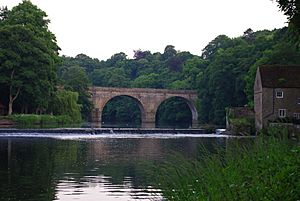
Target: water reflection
pixel 101 188
pixel 35 169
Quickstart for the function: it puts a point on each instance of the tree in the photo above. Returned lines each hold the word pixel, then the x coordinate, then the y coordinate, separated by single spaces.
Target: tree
pixel 139 54
pixel 249 35
pixel 65 103
pixel 86 62
pixel 291 8
pixel 21 55
pixel 117 60
pixel 28 56
pixel 75 79
pixel 174 112
pixel 220 42
pixel 35 19
pixel 122 111
pixel 3 13
pixel 147 81
pixel 169 52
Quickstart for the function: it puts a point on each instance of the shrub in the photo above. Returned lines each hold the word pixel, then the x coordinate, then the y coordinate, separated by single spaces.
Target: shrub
pixel 26 119
pixel 242 126
pixel 32 120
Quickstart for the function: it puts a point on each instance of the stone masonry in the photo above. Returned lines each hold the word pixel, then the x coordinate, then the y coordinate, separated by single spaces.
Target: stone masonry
pixel 148 101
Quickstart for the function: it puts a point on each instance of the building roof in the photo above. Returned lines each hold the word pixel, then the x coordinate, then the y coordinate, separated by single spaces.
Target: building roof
pixel 277 76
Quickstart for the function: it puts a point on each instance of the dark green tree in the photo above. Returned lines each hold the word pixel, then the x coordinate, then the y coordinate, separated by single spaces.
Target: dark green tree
pixel 291 8
pixel 21 57
pixel 147 81
pixel 75 79
pixel 28 56
pixel 66 103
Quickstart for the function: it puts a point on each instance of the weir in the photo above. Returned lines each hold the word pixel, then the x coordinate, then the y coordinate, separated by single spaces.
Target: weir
pixel 101 131
pixel 148 101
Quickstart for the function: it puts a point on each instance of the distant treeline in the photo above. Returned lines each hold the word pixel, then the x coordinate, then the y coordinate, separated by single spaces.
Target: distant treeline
pixel 35 79
pixel 223 75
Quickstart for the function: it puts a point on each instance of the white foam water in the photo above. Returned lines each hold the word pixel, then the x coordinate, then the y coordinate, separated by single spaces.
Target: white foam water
pixel 74 136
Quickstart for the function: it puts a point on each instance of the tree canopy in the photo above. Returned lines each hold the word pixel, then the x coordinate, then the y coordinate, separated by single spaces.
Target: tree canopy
pixel 28 53
pixel 223 75
pixel 35 79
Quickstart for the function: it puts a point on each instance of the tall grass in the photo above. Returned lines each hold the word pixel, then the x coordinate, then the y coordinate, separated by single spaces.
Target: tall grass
pixel 268 169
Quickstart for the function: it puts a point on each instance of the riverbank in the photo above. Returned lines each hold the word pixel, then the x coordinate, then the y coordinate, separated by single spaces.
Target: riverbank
pixel 267 169
pixel 35 121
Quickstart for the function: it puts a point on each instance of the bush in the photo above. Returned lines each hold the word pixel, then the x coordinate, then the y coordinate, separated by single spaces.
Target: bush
pixel 65 103
pixel 242 126
pixel 268 169
pixel 32 120
pixel 26 119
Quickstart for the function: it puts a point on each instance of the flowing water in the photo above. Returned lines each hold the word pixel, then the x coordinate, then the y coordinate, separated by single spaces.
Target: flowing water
pixel 89 167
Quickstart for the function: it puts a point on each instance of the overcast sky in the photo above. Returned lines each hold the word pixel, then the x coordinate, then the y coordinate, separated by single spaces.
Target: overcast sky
pixel 101 28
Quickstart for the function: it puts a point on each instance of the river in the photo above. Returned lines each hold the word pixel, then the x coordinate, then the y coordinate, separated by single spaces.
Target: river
pixel 88 168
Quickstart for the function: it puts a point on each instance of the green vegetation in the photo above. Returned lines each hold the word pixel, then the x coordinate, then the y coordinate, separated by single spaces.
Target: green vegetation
pixel 26 45
pixel 223 75
pixel 267 169
pixel 31 70
pixel 28 65
pixel 115 113
pixel 66 104
pixel 28 120
pixel 174 113
pixel 291 8
pixel 240 121
pixel 243 126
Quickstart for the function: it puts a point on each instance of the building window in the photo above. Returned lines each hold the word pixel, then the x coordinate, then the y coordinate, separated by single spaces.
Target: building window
pixel 279 94
pixel 297 115
pixel 282 113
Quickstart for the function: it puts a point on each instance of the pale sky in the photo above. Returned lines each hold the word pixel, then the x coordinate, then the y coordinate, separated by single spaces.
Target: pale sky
pixel 101 28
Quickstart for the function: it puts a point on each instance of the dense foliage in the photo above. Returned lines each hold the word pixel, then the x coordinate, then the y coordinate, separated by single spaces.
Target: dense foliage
pixel 28 64
pixel 172 69
pixel 223 75
pixel 32 72
pixel 268 169
pixel 28 53
pixel 291 8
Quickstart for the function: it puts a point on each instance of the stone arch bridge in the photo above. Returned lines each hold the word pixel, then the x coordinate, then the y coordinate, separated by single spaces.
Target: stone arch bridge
pixel 148 101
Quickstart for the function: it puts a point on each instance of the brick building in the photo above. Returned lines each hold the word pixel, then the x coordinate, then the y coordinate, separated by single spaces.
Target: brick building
pixel 276 94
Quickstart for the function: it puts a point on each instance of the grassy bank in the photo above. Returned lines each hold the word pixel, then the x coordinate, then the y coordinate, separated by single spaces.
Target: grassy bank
pixel 267 169
pixel 32 120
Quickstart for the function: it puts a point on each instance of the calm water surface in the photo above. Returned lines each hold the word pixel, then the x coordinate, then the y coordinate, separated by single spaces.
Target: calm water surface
pixel 68 168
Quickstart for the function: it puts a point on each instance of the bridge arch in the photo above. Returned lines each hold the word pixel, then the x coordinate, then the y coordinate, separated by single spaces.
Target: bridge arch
pixel 133 98
pixel 188 102
pixel 148 101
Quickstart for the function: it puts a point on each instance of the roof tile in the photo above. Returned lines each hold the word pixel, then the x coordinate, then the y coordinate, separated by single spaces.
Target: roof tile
pixel 279 76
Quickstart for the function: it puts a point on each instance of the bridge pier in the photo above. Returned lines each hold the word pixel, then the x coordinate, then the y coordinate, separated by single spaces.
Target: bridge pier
pixel 195 123
pixel 148 119
pixel 148 101
pixel 96 117
pixel 148 124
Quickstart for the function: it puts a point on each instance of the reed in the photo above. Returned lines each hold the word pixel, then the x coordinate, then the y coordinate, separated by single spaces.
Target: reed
pixel 267 169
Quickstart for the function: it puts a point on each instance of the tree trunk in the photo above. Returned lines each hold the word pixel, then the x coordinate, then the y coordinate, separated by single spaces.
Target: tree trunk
pixel 11 98
pixel 10 104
